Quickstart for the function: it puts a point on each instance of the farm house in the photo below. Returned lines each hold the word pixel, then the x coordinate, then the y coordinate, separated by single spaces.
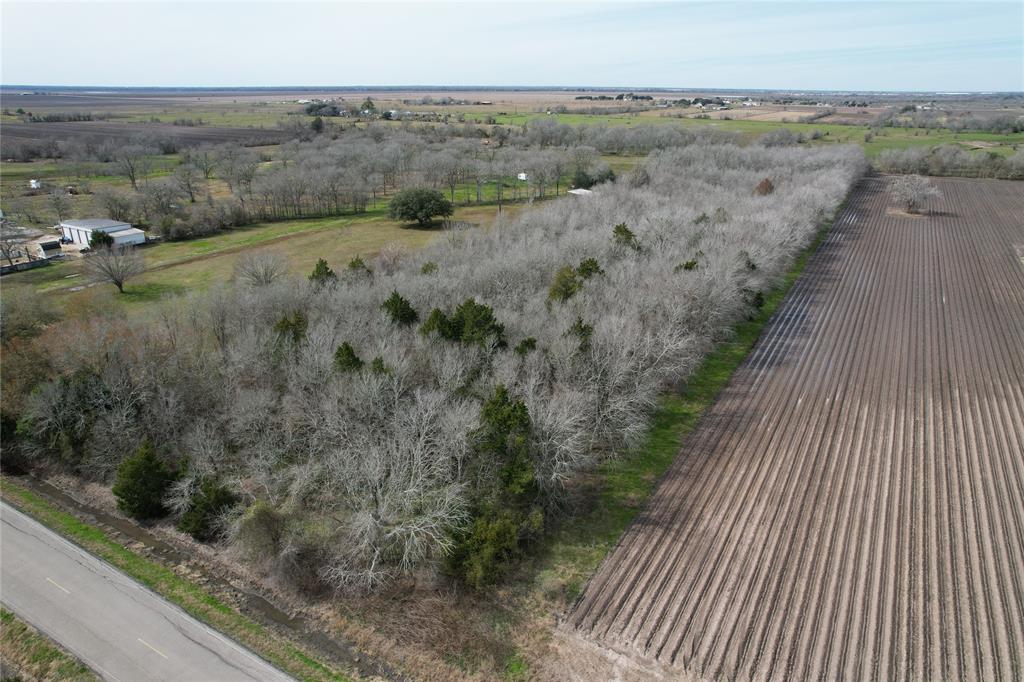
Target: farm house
pixel 80 231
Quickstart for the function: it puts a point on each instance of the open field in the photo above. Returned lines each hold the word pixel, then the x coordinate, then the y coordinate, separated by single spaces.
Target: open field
pixel 194 265
pixel 16 133
pixel 242 115
pixel 850 507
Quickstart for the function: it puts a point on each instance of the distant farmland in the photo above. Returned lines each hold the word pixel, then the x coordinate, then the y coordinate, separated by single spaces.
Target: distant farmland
pixel 853 505
pixel 18 133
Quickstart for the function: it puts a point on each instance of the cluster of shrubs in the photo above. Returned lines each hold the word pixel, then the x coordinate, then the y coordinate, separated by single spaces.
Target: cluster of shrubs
pixel 569 280
pixel 143 483
pixel 585 180
pixel 166 214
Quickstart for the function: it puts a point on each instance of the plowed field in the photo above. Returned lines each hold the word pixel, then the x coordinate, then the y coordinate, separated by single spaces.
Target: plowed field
pixel 852 507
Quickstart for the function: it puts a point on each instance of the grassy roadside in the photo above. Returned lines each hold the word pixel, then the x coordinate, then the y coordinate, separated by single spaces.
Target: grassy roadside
pixel 574 551
pixel 34 656
pixel 199 603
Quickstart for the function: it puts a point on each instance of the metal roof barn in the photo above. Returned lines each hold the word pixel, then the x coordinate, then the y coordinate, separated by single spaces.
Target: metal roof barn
pixel 79 231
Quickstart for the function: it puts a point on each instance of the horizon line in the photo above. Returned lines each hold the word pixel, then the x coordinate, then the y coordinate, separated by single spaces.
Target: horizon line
pixel 498 88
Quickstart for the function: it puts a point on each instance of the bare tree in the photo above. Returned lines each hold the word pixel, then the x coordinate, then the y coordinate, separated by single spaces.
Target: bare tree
pixel 238 167
pixel 133 161
pixel 114 264
pixel 117 205
pixel 205 160
pixel 158 200
pixel 60 202
pixel 13 243
pixel 911 192
pixel 9 248
pixel 187 177
pixel 261 269
pixel 451 169
pixel 24 209
pixel 558 165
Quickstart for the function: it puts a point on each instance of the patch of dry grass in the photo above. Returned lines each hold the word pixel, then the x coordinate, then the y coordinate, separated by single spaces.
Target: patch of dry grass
pixel 35 656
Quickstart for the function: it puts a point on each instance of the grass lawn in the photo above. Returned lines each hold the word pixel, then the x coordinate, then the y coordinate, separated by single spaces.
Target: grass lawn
pixel 199 603
pixel 35 656
pixel 178 267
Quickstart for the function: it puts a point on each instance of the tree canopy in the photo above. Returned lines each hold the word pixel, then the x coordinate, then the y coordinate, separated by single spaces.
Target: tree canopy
pixel 419 204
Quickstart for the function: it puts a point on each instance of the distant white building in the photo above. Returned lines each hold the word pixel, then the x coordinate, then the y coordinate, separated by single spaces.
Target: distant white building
pixel 80 231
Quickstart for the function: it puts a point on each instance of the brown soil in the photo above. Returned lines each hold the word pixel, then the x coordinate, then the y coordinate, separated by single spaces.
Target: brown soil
pixel 852 507
pixel 186 136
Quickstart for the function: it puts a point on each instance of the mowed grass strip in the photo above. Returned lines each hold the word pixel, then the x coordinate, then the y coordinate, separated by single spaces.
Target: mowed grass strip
pixel 35 656
pixel 574 551
pixel 286 655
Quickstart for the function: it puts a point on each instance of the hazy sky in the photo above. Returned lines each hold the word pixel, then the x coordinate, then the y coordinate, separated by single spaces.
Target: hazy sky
pixel 826 44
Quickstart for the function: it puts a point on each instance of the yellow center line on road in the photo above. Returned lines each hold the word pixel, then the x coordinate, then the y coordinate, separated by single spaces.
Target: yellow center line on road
pixel 152 647
pixel 58 586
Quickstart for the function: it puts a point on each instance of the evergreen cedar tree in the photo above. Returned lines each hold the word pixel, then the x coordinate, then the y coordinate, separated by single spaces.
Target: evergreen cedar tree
pixel 357 264
pixel 582 331
pixel 569 280
pixel 400 310
pixel 419 204
pixel 99 240
pixel 472 323
pixel 292 327
pixel 377 366
pixel 624 236
pixel 565 284
pixel 322 273
pixel 506 513
pixel 345 358
pixel 208 502
pixel 526 346
pixel 142 482
pixel 584 180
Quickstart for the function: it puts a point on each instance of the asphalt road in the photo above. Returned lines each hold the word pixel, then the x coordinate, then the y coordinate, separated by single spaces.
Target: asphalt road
pixel 113 624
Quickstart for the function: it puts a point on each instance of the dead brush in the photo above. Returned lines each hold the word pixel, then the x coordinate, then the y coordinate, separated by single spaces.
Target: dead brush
pixel 764 188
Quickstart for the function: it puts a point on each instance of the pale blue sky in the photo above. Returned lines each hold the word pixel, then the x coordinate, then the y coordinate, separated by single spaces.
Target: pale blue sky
pixel 826 44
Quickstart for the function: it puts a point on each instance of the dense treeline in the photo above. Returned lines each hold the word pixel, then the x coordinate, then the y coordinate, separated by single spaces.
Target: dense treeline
pixel 103 148
pixel 328 177
pixel 951 160
pixel 430 409
pixel 911 117
pixel 344 172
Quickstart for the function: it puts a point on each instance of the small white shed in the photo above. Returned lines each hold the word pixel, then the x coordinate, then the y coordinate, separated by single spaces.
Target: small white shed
pixel 80 231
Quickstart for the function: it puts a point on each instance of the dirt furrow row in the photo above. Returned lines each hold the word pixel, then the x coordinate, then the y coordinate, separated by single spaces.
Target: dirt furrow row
pixel 852 507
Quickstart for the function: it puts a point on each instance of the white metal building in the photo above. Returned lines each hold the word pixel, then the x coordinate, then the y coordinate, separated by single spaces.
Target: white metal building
pixel 80 231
